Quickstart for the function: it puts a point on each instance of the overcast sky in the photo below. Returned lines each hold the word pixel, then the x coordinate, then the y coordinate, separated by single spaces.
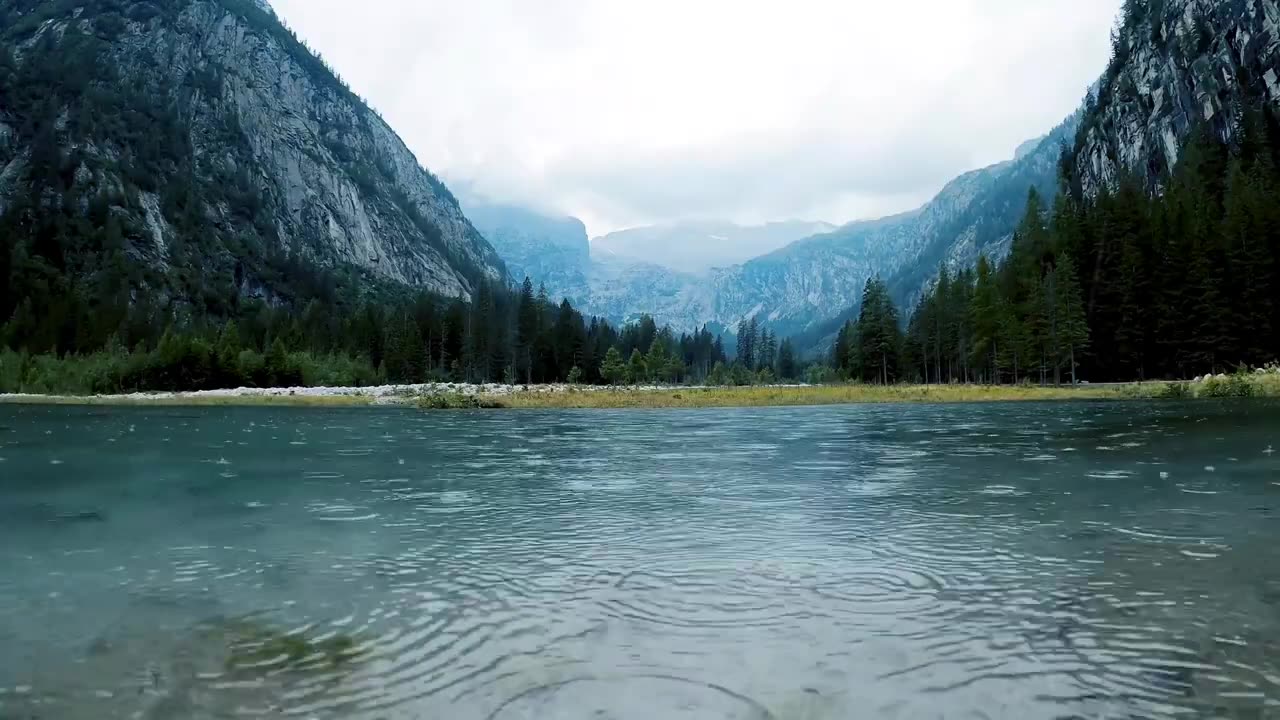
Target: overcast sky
pixel 628 112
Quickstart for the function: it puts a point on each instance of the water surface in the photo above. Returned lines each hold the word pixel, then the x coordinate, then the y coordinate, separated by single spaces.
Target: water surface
pixel 985 561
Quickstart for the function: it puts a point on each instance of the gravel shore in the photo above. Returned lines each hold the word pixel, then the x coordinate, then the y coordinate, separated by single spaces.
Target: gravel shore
pixel 373 395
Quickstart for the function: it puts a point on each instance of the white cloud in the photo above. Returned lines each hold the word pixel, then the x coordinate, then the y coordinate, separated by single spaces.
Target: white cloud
pixel 626 112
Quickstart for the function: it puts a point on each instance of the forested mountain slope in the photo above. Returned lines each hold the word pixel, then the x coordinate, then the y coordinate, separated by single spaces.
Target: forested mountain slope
pixel 973 215
pixel 173 159
pixel 1159 257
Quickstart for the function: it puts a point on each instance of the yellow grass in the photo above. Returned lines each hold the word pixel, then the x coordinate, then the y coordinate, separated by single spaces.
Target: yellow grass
pixel 761 396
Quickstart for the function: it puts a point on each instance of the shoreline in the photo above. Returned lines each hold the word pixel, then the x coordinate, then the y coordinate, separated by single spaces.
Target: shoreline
pixel 374 395
pixel 454 396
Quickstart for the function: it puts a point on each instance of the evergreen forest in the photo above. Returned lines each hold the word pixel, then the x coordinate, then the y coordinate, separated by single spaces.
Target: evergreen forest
pixel 1131 283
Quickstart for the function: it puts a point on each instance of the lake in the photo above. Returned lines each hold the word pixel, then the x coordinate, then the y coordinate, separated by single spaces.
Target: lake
pixel 965 561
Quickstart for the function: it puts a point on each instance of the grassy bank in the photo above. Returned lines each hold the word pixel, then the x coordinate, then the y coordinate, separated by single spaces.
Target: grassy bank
pixel 766 396
pixel 464 397
pixel 1259 384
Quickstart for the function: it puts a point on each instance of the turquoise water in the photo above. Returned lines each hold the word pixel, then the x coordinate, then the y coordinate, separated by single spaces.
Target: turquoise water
pixel 1001 561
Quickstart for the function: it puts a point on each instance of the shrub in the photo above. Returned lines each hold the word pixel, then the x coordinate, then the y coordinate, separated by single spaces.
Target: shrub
pixel 1175 391
pixel 1233 386
pixel 456 401
pixel 818 375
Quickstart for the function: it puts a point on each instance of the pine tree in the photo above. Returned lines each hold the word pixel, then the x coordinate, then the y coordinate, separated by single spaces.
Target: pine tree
pixel 753 344
pixel 841 352
pixel 656 360
pixel 985 312
pixel 480 333
pixel 526 331
pixel 787 367
pixel 570 341
pixel 1013 340
pixel 637 371
pixel 1250 215
pixel 719 375
pixel 612 370
pixel 938 315
pixel 416 360
pixel 1133 315
pixel 878 336
pixel 1072 329
pixel 770 350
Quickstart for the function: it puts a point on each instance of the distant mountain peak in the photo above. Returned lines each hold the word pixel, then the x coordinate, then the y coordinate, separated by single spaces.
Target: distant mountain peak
pixel 1028 147
pixel 698 246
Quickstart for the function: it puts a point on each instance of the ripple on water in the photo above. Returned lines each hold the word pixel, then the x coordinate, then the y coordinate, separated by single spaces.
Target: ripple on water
pixel 591 485
pixel 768 556
pixel 1109 474
pixel 1003 490
pixel 339 512
pixel 636 697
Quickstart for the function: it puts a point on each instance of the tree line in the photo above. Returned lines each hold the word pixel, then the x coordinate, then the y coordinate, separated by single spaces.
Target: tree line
pixel 391 336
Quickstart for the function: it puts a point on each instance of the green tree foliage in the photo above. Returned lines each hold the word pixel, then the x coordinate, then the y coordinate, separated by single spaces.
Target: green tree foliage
pixel 655 361
pixel 986 318
pixel 719 375
pixel 612 369
pixel 748 343
pixel 787 367
pixel 526 331
pixel 1071 326
pixel 878 338
pixel 637 370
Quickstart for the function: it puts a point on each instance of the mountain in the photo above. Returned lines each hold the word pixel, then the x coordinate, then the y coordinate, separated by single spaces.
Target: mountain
pixel 196 153
pixel 973 215
pixel 1177 66
pixel 1158 257
pixel 554 252
pixel 552 249
pixel 696 247
pixel 807 287
pixel 817 278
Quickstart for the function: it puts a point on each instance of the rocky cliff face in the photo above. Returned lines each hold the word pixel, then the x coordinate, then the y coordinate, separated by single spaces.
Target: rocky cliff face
pixel 1178 65
pixel 270 152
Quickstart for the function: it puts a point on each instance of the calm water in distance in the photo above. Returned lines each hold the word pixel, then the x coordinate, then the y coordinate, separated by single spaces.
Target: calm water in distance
pixel 967 561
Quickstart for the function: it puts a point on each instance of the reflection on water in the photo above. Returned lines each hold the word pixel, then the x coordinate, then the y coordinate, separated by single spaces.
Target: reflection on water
pixel 1014 561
